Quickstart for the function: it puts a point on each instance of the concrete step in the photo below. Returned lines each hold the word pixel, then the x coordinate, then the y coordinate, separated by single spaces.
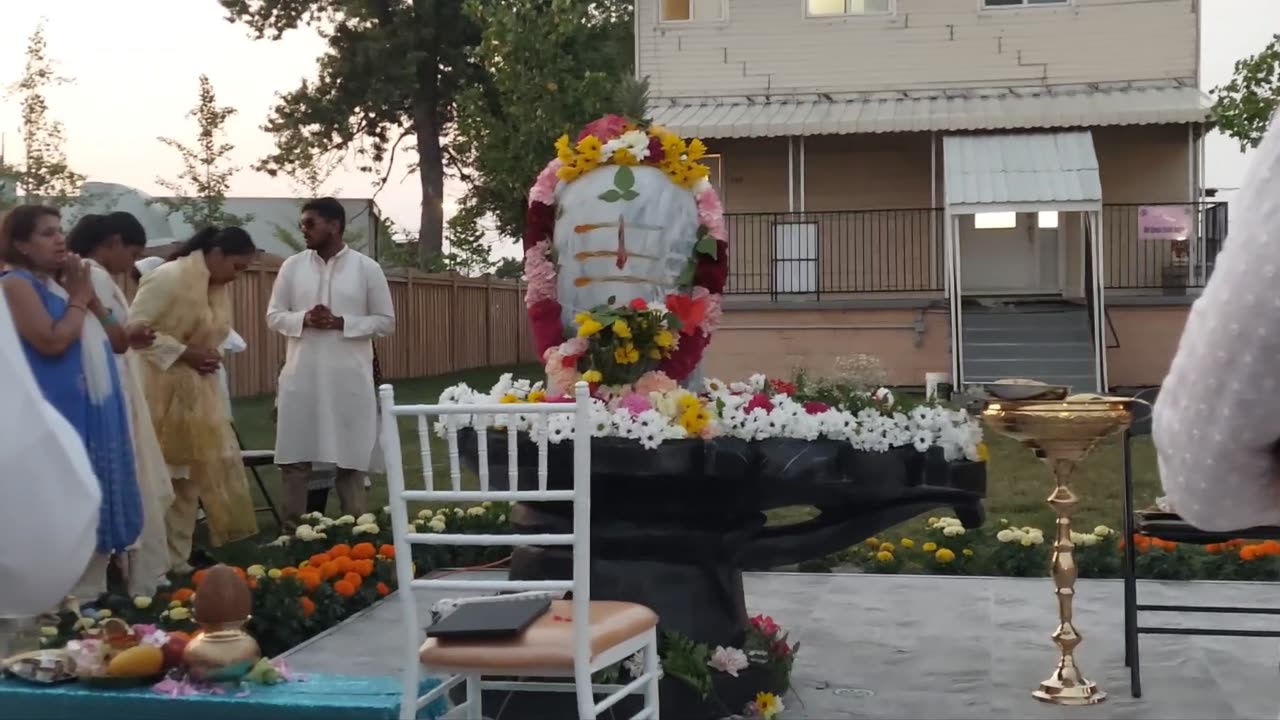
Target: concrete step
pixel 1026 368
pixel 1028 351
pixel 1037 335
pixel 1029 320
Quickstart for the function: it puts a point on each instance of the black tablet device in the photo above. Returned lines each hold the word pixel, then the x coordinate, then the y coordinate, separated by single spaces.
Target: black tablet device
pixel 490 620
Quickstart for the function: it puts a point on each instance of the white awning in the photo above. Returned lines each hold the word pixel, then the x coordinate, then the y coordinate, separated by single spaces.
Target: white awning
pixel 1062 106
pixel 1024 171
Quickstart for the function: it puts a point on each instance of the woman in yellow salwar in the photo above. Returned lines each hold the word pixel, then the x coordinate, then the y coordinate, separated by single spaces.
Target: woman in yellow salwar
pixel 186 302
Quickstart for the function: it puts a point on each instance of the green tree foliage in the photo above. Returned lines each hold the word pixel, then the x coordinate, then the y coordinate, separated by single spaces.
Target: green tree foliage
pixel 387 81
pixel 44 175
pixel 200 193
pixel 1243 107
pixel 551 67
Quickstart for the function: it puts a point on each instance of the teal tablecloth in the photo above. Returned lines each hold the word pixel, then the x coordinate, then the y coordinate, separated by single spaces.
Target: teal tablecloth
pixel 320 697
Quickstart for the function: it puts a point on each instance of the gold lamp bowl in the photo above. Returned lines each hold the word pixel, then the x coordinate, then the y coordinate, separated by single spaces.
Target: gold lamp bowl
pixel 1064 430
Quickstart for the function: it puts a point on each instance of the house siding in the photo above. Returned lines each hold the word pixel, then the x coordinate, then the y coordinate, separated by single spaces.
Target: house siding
pixel 878 242
pixel 768 47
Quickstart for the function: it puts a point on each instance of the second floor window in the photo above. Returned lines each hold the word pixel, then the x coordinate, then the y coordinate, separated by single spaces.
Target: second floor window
pixel 827 8
pixel 1021 3
pixel 691 10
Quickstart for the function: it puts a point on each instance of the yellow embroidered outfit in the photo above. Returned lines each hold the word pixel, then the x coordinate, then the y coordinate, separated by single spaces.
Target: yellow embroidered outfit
pixel 190 417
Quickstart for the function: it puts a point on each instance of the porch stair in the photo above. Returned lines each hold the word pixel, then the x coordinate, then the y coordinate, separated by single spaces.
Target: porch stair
pixel 1048 341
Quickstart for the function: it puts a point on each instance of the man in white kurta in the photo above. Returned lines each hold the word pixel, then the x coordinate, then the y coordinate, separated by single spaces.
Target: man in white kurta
pixel 330 302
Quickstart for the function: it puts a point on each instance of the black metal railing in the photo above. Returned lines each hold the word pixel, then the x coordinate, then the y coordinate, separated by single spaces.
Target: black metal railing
pixel 828 253
pixel 1135 262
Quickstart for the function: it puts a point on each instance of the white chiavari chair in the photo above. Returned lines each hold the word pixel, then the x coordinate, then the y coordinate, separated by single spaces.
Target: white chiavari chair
pixel 598 635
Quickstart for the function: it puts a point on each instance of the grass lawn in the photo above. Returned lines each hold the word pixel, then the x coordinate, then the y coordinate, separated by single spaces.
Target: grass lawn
pixel 1018 484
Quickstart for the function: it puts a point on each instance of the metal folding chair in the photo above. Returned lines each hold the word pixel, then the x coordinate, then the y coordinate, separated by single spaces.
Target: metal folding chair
pixel 1172 528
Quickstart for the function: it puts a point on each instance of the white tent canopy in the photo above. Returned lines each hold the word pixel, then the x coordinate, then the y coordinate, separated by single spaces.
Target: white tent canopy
pixel 1023 172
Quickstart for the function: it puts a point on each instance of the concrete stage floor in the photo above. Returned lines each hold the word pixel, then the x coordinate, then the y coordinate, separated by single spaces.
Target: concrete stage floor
pixel 884 646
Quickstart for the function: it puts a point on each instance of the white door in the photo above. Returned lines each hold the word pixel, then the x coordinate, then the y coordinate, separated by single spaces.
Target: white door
pixel 1007 253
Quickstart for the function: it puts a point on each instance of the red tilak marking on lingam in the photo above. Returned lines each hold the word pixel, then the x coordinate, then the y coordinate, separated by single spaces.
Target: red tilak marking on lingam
pixel 622 242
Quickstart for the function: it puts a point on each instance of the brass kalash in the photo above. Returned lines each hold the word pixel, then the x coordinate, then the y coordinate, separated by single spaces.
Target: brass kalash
pixel 1060 430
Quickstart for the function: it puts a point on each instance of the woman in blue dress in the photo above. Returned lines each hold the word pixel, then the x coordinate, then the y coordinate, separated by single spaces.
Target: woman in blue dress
pixel 60 322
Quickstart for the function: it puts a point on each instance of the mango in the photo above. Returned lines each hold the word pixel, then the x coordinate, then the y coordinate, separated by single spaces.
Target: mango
pixel 140 661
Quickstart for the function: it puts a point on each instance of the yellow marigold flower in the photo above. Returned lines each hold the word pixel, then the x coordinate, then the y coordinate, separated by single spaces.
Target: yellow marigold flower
pixel 175 604
pixel 688 401
pixel 621 329
pixel 886 547
pixel 274 573
pixel 564 149
pixel 48 631
pixel 884 556
pixel 581 318
pixel 142 602
pixel 626 354
pixel 104 614
pixel 623 156
pixel 589 327
pixel 655 353
pixel 509 399
pixel 537 396
pixel 590 146
pixel 907 543
pixel 984 454
pixel 664 339
pixel 929 547
pixel 872 542
pixel 179 613
pixel 256 571
pixel 592 376
pixel 967 552
pixel 944 556
pixel 768 705
pixel 568 173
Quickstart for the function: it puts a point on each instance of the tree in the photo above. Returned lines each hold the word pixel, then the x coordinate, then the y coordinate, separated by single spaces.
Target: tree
pixel 390 76
pixel 1243 107
pixel 44 175
pixel 551 67
pixel 201 191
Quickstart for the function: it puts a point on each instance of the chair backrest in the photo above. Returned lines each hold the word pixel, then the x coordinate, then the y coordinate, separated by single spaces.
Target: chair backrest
pixel 482 418
pixel 1142 412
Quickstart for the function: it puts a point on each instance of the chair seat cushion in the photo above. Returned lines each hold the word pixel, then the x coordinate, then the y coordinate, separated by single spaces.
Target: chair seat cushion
pixel 548 643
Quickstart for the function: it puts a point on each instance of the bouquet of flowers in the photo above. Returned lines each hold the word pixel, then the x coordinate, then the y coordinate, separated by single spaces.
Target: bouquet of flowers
pixel 617 345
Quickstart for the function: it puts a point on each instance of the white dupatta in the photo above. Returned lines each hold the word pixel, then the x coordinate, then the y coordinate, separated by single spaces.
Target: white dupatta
pixel 95 349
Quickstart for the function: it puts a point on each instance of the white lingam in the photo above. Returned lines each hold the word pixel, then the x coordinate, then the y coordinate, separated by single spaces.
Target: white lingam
pixel 622 233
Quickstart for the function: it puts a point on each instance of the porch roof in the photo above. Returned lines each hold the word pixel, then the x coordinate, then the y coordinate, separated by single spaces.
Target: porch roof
pixel 935 110
pixel 1050 171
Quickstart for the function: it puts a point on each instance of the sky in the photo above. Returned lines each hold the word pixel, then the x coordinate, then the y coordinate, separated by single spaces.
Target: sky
pixel 135 65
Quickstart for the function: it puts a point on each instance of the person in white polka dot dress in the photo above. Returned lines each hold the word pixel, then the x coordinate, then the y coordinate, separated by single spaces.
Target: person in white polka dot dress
pixel 1217 420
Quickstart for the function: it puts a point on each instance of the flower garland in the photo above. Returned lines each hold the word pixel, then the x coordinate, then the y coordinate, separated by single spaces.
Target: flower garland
pixel 615 140
pixel 656 410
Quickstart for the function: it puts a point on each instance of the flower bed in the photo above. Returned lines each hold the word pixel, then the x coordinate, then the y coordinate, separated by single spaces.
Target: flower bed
pixel 944 547
pixel 305 583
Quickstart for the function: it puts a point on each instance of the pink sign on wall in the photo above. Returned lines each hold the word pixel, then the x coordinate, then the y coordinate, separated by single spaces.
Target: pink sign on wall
pixel 1164 222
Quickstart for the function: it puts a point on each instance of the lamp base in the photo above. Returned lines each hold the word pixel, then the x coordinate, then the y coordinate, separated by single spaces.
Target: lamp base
pixel 1080 692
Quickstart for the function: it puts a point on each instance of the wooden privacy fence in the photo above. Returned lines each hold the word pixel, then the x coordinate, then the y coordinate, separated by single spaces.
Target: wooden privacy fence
pixel 444 324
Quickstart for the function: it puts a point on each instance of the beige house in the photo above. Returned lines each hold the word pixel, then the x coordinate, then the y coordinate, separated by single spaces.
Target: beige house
pixel 990 188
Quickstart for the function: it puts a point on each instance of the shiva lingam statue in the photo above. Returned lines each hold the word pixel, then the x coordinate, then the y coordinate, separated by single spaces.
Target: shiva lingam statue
pixel 1061 431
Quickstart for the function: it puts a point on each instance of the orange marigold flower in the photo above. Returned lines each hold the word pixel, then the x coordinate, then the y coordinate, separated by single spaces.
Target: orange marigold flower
pixel 240 571
pixel 344 564
pixel 364 567
pixel 288 572
pixel 253 583
pixel 329 570
pixel 387 551
pixel 1271 547
pixel 318 559
pixel 308 606
pixel 1213 548
pixel 340 550
pixel 364 551
pixel 344 588
pixel 353 578
pixel 1248 553
pixel 198 577
pixel 310 579
pixel 183 594
pixel 383 590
